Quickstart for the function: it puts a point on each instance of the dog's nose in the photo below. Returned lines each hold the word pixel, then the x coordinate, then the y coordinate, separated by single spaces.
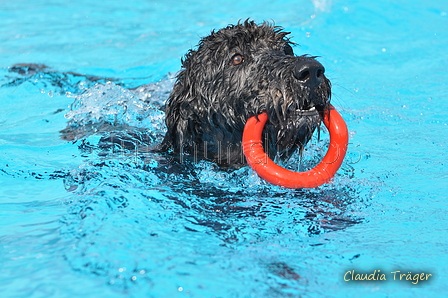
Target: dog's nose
pixel 309 72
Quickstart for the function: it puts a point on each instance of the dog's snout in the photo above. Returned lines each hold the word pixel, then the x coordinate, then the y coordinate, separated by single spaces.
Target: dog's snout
pixel 309 72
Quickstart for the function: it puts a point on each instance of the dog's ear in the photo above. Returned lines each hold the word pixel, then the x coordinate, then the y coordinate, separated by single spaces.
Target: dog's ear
pixel 175 121
pixel 179 113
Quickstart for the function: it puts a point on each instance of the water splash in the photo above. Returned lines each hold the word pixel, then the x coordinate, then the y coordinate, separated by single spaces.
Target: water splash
pixel 114 105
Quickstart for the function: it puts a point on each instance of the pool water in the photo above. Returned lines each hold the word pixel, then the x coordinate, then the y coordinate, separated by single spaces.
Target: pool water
pixel 83 217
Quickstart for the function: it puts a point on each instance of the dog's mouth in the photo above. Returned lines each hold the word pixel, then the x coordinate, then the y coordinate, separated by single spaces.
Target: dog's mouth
pixel 311 110
pixel 307 112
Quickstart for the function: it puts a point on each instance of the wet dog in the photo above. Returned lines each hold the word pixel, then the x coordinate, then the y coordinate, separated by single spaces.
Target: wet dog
pixel 238 72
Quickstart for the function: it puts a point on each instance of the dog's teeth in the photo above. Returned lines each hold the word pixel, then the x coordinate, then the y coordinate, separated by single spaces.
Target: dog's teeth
pixel 309 110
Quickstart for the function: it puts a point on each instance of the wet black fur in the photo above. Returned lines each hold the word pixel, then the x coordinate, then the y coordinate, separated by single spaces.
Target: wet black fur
pixel 212 99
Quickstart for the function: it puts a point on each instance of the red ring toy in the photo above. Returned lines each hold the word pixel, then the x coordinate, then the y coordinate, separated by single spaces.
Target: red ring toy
pixel 275 174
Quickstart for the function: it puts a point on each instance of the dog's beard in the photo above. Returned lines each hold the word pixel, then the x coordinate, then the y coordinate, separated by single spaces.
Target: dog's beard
pixel 295 133
pixel 292 120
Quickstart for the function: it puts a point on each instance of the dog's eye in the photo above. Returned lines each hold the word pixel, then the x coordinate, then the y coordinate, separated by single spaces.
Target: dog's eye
pixel 236 59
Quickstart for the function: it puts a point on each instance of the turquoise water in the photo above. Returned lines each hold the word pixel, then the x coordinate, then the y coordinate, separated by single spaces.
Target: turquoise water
pixel 82 219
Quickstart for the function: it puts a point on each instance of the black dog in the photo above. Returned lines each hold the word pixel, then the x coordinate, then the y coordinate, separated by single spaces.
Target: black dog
pixel 238 72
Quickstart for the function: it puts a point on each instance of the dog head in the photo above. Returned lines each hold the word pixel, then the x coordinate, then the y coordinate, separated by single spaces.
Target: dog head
pixel 238 72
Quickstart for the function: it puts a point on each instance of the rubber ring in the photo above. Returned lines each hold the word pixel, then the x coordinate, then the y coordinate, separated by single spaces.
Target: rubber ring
pixel 277 175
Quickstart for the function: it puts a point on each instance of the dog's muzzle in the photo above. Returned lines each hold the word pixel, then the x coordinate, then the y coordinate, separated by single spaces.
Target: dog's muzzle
pixel 310 74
